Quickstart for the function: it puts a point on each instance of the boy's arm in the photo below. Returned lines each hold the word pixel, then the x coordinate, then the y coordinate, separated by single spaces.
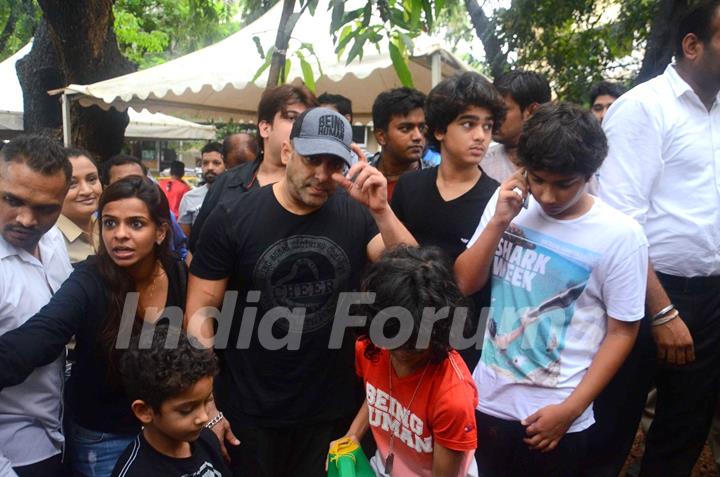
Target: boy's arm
pixel 357 429
pixel 446 462
pixel 472 267
pixel 360 424
pixel 546 427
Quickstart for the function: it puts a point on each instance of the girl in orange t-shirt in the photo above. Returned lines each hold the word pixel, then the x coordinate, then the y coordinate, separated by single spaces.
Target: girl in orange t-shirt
pixel 420 400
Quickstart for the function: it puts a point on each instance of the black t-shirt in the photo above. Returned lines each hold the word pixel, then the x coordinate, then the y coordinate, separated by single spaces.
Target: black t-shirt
pixel 140 459
pixel 448 225
pixel 434 221
pixel 293 261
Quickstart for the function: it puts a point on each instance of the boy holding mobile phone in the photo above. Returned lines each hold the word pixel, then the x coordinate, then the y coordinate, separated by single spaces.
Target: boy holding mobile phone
pixel 568 279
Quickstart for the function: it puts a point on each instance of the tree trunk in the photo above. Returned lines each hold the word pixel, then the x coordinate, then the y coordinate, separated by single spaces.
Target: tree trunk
pixel 38 72
pixel 484 29
pixel 661 42
pixel 281 44
pixel 78 46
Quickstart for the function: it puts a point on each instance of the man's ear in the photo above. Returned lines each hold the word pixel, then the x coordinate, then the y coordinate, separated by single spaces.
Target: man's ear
pixel 143 411
pixel 264 129
pixel 380 136
pixel 286 151
pixel 530 110
pixel 439 135
pixel 692 46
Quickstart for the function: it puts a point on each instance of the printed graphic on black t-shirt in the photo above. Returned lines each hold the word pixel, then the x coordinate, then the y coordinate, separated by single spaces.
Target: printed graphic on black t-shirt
pixel 303 271
pixel 293 261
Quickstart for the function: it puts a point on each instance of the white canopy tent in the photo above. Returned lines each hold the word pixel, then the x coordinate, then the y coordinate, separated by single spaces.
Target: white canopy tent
pixel 143 124
pixel 216 81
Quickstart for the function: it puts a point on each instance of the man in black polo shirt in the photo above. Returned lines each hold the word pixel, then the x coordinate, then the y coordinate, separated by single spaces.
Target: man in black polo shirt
pixel 277 110
pixel 294 245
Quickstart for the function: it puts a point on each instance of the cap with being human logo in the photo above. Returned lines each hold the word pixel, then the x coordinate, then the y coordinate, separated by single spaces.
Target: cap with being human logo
pixel 323 131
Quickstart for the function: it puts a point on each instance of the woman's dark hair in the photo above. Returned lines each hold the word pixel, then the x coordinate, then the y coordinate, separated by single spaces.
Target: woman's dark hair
pixel 415 279
pixel 164 366
pixel 118 282
pixel 562 138
pixel 454 95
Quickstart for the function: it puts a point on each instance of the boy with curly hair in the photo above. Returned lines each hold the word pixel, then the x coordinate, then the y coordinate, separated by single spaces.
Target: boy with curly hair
pixel 169 381
pixel 420 397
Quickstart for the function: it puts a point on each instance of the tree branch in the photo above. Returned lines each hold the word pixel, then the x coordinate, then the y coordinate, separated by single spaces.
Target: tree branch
pixel 485 31
pixel 282 40
pixel 660 45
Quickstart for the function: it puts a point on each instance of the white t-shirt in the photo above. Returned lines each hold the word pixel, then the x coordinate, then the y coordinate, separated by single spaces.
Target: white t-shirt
pixel 190 205
pixel 554 283
pixel 497 164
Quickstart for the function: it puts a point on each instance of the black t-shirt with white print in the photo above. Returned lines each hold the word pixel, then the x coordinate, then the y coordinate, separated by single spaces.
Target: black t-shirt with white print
pixel 293 261
pixel 140 459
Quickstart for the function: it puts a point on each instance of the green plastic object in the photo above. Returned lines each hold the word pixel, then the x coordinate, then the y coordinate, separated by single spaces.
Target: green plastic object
pixel 347 459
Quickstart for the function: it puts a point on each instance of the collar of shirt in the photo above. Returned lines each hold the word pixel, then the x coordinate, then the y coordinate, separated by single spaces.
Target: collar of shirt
pixel 68 228
pixel 375 159
pixel 680 87
pixel 244 174
pixel 47 250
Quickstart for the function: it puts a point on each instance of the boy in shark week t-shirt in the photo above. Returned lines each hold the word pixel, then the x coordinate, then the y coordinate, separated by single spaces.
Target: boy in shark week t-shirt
pixel 568 277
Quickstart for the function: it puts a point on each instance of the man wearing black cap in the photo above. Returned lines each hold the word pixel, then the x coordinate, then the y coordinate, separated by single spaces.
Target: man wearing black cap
pixel 293 245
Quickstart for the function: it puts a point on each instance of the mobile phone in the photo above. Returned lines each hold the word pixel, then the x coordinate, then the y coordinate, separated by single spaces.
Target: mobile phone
pixel 526 200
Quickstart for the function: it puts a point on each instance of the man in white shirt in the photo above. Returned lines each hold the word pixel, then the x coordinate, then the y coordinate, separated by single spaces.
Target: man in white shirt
pixel 34 178
pixel 663 169
pixel 523 92
pixel 213 164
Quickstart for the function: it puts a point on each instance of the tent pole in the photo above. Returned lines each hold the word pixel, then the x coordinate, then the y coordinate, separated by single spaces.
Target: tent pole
pixel 436 68
pixel 67 126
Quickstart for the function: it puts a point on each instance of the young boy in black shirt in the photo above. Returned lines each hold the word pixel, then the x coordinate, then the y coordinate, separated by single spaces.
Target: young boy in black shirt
pixel 442 205
pixel 170 385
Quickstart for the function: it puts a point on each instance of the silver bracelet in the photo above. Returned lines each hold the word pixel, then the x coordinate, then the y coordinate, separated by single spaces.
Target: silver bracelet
pixel 212 422
pixel 663 312
pixel 666 319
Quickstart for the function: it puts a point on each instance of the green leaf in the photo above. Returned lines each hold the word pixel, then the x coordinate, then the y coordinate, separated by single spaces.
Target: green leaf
pixel 312 6
pixel 400 64
pixel 415 11
pixel 337 15
pixel 346 35
pixel 259 47
pixel 427 7
pixel 407 41
pixel 439 4
pixel 308 75
pixel 357 48
pixel 265 65
pixel 286 71
pixel 367 14
pixel 397 18
pixel 352 15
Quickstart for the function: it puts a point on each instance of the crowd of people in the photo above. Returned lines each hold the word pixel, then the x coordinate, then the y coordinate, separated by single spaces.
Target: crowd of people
pixel 511 311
